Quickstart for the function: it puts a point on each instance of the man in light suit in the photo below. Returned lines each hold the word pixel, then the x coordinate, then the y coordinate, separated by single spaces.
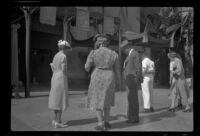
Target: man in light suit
pixel 133 79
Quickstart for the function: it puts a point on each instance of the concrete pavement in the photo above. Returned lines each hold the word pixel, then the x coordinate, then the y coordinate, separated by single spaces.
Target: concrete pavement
pixel 32 114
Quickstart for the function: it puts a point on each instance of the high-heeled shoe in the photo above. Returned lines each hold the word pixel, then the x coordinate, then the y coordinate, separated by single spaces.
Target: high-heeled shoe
pixel 60 125
pixel 107 125
pixel 187 110
pixel 179 107
pixel 100 127
pixel 172 109
pixel 53 122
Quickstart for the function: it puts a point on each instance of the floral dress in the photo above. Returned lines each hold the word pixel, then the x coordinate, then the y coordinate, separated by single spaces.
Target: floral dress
pixel 102 86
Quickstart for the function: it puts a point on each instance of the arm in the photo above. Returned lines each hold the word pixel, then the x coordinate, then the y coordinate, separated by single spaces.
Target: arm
pixel 64 65
pixel 125 62
pixel 117 72
pixel 90 62
pixel 151 69
pixel 52 67
pixel 138 65
pixel 171 77
pixel 123 43
pixel 178 66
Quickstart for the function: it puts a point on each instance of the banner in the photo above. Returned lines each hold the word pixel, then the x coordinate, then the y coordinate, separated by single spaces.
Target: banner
pixel 66 34
pixel 48 15
pixel 79 34
pixel 133 15
pixel 127 30
pixel 111 11
pixel 82 20
pixel 108 26
pixel 124 24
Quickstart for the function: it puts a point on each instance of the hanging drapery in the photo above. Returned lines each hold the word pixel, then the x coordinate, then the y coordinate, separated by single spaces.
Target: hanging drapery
pixel 96 9
pixel 82 8
pixel 108 25
pixel 100 28
pixel 82 19
pixel 48 15
pixel 80 34
pixel 66 34
pixel 133 18
pixel 92 32
pixel 127 30
pixel 14 55
pixel 124 24
pixel 172 39
pixel 145 34
pixel 111 11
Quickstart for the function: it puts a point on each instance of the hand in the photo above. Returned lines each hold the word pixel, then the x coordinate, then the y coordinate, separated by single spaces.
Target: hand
pixel 170 82
pixel 123 43
pixel 124 65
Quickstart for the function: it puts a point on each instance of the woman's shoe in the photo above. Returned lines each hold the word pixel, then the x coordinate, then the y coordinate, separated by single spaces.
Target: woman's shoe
pixel 59 125
pixel 172 109
pixel 151 109
pixel 107 125
pixel 100 127
pixel 179 107
pixel 187 110
pixel 146 110
pixel 53 122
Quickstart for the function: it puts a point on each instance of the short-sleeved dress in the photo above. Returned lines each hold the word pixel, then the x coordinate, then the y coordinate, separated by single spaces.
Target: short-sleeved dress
pixel 102 86
pixel 58 98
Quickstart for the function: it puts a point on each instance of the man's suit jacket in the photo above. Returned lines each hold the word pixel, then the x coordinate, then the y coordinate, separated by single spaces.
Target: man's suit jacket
pixel 133 66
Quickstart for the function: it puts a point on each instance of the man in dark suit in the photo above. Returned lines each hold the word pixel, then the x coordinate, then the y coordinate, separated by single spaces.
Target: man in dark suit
pixel 133 79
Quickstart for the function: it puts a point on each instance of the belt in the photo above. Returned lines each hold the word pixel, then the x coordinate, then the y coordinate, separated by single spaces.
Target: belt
pixel 104 68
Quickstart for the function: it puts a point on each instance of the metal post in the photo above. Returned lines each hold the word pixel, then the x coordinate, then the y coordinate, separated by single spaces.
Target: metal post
pixel 120 61
pixel 28 22
pixel 64 29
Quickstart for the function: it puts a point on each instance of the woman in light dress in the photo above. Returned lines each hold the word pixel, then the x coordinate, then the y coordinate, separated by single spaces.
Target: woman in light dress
pixel 58 98
pixel 103 82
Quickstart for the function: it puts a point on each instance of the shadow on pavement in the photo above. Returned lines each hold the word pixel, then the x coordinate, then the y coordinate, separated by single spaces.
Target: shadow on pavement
pixel 164 108
pixel 89 121
pixel 17 123
pixel 36 96
pixel 144 120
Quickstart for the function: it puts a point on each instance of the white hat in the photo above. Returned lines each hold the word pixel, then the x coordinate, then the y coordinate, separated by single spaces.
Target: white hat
pixel 62 43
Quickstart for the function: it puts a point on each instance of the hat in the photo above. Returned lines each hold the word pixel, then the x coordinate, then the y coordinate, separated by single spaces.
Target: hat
pixel 100 37
pixel 63 44
pixel 173 55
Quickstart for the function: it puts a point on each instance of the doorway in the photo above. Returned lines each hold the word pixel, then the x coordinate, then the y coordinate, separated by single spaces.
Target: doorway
pixel 159 56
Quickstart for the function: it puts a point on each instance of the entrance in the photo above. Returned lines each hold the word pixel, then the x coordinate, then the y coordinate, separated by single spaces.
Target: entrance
pixel 159 56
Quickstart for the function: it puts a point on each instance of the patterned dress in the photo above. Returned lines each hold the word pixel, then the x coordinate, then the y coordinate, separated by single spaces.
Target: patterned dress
pixel 102 86
pixel 59 84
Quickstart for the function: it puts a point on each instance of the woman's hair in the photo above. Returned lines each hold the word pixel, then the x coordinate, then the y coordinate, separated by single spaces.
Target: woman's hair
pixel 101 43
pixel 62 47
